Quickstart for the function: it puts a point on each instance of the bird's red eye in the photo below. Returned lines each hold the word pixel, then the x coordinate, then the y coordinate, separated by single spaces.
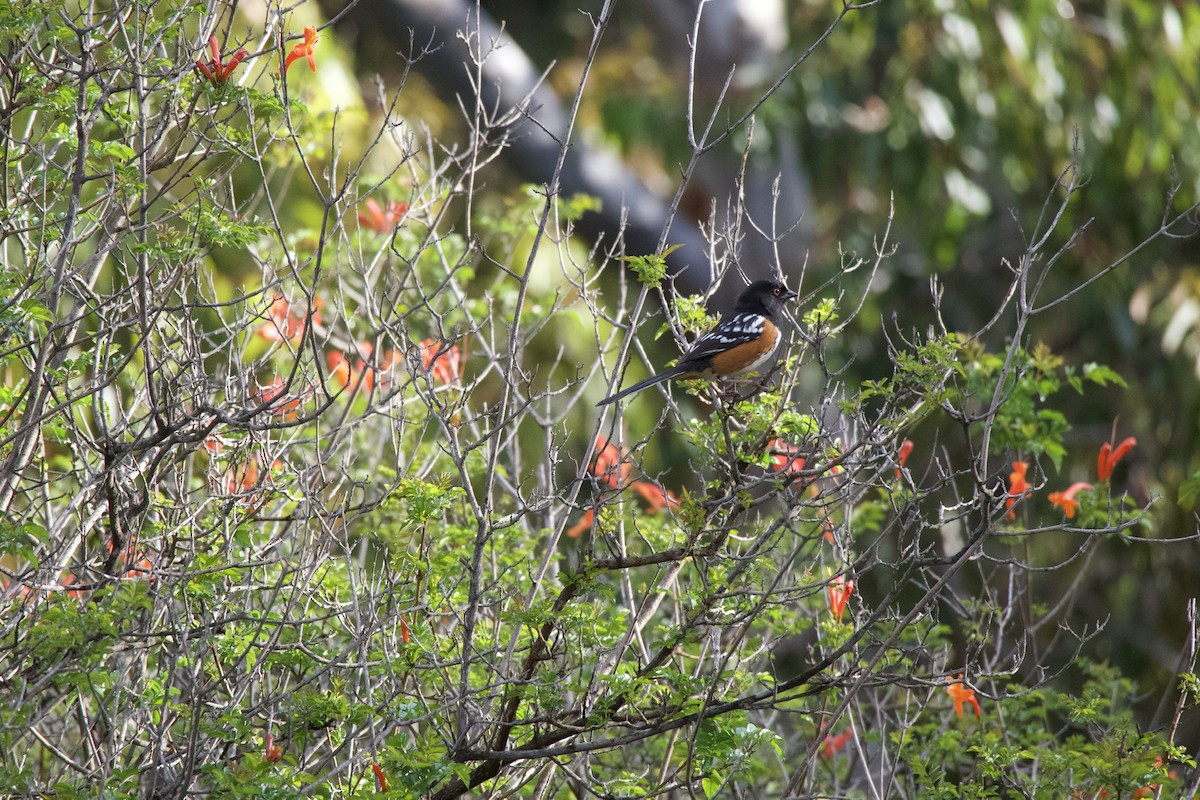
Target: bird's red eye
pixel 776 291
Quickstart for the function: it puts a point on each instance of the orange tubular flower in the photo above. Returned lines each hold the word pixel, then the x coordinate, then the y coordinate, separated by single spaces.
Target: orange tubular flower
pixel 906 448
pixel 834 744
pixel 69 579
pixel 1109 456
pixel 272 752
pixel 342 373
pixel 242 477
pixel 581 527
pixel 382 373
pixel 840 590
pixel 278 402
pixel 349 377
pixel 246 481
pixel 143 568
pixel 285 323
pixel 305 49
pixel 961 695
pixel 1066 500
pixel 611 467
pixel 786 458
pixel 1152 789
pixel 380 778
pixel 215 71
pixel 381 220
pixel 1017 486
pixel 443 362
pixel 657 497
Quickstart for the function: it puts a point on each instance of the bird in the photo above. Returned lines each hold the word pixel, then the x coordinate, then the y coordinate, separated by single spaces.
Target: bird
pixel 739 343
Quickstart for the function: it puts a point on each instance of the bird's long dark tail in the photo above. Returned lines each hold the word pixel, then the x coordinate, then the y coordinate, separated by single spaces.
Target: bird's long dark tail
pixel 665 375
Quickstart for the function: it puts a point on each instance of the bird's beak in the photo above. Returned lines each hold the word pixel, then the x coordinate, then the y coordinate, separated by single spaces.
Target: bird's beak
pixel 789 294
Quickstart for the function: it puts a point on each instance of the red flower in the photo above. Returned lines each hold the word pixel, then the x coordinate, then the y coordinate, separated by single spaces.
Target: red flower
pixel 340 371
pixel 144 568
pixel 217 72
pixel 786 459
pixel 840 590
pixel 381 220
pixel 657 497
pixel 384 370
pixel 1017 486
pixel 27 593
pixel 405 633
pixel 1109 456
pixel 305 49
pixel 585 522
pixel 611 467
pixel 274 397
pixel 380 778
pixel 835 744
pixel 906 448
pixel 1152 789
pixel 444 363
pixel 284 323
pixel 350 377
pixel 241 477
pixel 69 579
pixel 961 695
pixel 271 751
pixel 1066 500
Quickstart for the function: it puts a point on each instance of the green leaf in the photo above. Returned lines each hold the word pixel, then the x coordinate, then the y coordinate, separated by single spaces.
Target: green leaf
pixel 1103 376
pixel 1189 490
pixel 823 313
pixel 650 269
pixel 37 311
pixel 711 784
pixel 575 206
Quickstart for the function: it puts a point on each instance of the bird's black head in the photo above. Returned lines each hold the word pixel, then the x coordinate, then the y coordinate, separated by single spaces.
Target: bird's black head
pixel 764 297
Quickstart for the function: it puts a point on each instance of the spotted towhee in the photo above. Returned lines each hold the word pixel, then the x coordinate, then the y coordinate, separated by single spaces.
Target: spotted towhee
pixel 741 342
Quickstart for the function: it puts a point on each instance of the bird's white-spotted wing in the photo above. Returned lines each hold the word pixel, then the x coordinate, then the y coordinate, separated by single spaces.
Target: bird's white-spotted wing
pixel 731 332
